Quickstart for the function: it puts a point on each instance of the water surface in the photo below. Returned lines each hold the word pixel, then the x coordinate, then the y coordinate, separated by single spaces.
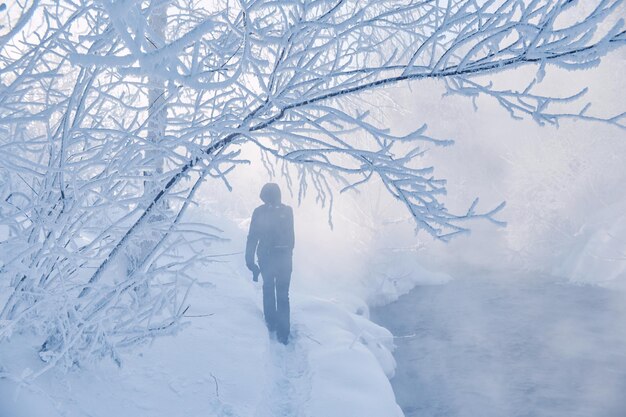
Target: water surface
pixel 508 345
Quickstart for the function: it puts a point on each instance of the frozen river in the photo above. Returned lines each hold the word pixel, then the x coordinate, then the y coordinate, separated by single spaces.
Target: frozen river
pixel 509 345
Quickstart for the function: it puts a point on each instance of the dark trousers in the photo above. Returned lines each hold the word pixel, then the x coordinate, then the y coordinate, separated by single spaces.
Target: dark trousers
pixel 276 272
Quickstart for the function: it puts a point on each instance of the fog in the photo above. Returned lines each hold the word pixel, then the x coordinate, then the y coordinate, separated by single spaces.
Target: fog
pixel 555 181
pixel 527 319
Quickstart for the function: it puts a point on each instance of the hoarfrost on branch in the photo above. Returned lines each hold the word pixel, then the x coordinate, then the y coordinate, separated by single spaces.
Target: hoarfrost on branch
pixel 112 113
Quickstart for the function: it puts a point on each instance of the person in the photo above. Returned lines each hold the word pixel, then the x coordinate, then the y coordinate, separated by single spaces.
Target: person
pixel 271 238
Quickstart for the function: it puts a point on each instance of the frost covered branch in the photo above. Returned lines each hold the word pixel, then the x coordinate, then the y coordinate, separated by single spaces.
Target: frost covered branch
pixel 112 113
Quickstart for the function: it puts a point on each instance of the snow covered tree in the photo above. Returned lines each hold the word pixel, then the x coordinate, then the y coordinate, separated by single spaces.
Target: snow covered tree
pixel 98 97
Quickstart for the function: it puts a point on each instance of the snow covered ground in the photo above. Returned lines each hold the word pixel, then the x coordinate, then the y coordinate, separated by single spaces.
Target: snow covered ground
pixel 496 344
pixel 223 364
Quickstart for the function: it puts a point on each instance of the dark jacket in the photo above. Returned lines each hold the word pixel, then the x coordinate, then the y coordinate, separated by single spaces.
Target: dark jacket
pixel 271 229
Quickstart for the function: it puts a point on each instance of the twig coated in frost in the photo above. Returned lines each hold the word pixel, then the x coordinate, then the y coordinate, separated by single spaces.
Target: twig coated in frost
pixel 106 136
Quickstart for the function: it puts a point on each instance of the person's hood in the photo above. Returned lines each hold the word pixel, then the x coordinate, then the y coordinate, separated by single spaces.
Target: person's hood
pixel 270 194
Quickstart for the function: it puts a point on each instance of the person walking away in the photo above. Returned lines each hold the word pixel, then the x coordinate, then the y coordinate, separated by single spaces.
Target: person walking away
pixel 271 238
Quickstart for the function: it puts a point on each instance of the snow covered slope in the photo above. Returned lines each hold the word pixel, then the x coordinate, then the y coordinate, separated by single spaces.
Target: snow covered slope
pixel 223 363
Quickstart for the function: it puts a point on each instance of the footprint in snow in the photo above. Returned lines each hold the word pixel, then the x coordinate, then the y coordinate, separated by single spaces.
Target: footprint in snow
pixel 289 385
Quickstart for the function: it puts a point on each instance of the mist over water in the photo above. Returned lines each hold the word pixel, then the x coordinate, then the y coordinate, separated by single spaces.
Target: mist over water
pixel 498 344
